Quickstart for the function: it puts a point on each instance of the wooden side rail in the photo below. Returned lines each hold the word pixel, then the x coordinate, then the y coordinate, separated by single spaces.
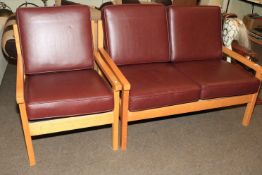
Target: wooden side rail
pixel 110 76
pixel 200 105
pixel 20 70
pixel 126 85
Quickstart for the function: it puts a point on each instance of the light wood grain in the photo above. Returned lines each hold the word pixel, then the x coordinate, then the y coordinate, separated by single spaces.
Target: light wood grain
pixel 70 123
pixel 259 76
pixel 20 69
pixel 115 124
pixel 100 34
pixel 27 135
pixel 94 34
pixel 189 107
pixel 107 72
pixel 124 118
pixel 125 83
pixel 249 110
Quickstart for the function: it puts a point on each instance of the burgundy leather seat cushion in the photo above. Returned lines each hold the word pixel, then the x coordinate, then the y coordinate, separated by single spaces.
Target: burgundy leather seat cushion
pixel 63 94
pixel 157 85
pixel 55 39
pixel 219 78
pixel 136 33
pixel 195 33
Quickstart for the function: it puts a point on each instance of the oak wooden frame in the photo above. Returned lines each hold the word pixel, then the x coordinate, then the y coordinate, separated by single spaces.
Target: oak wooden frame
pixel 34 128
pixel 200 105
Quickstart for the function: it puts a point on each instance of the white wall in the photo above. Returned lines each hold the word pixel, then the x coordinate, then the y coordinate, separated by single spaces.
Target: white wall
pixel 210 2
pixel 241 8
pixel 15 3
pixel 96 3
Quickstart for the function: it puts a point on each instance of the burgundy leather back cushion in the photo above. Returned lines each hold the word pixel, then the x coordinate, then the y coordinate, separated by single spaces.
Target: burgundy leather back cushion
pixel 195 33
pixel 136 33
pixel 55 39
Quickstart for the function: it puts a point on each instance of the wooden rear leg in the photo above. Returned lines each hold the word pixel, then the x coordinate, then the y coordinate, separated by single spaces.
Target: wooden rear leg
pixel 249 110
pixel 124 119
pixel 28 138
pixel 115 125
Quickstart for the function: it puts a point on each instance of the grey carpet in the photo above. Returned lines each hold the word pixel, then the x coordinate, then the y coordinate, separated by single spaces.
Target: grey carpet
pixel 211 142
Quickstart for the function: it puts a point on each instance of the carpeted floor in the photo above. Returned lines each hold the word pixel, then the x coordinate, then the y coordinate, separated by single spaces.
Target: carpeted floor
pixel 207 143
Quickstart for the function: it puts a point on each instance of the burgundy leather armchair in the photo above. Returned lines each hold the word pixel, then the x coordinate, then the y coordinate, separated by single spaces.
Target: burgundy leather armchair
pixel 60 84
pixel 169 61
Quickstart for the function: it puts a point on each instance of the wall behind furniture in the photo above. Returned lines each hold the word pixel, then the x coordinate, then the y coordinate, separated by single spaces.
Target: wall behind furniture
pixel 96 3
pixel 13 4
pixel 242 8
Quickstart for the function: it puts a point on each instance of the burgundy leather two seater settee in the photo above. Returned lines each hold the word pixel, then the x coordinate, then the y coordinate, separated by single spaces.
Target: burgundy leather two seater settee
pixel 170 61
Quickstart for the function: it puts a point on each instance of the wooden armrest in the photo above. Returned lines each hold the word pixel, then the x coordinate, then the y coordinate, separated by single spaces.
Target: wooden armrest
pixel 107 72
pixel 243 60
pixel 20 70
pixel 125 84
pixel 242 50
pixel 19 83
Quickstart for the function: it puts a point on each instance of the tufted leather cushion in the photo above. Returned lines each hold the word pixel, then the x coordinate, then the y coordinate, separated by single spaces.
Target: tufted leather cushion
pixel 53 40
pixel 64 94
pixel 136 33
pixel 195 33
pixel 157 85
pixel 219 78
